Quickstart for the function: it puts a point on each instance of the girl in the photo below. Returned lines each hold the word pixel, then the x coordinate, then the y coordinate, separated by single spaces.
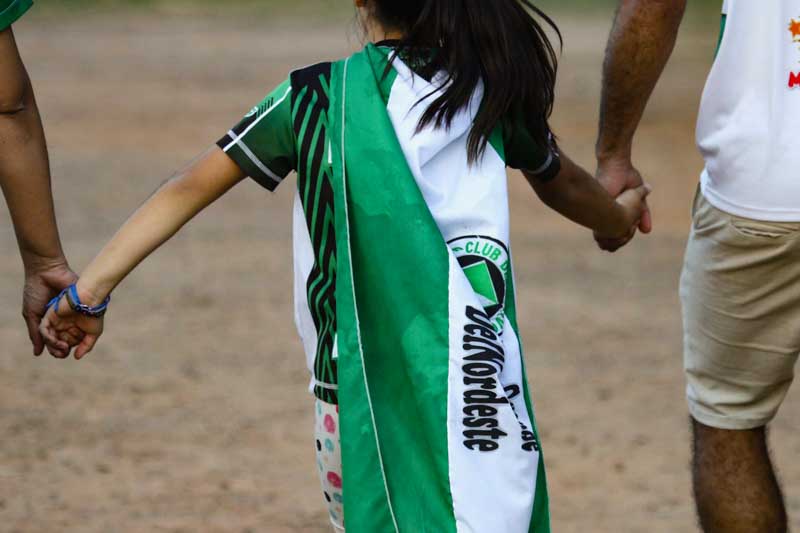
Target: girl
pixel 404 284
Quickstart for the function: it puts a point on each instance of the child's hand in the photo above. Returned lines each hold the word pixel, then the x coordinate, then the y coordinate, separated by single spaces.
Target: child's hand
pixel 63 329
pixel 633 207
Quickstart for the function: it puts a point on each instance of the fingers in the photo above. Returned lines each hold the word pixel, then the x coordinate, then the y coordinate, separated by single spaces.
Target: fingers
pixel 73 336
pixel 608 246
pixel 635 203
pixel 57 347
pixel 619 176
pixel 33 333
pixel 86 346
pixel 62 329
pixel 641 192
pixel 646 224
pixel 635 197
pixel 614 244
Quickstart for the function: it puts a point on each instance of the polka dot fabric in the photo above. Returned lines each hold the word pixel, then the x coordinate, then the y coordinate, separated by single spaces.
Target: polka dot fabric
pixel 329 460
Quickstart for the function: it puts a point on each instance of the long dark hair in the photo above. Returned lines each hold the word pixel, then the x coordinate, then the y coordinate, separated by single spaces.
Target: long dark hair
pixel 498 42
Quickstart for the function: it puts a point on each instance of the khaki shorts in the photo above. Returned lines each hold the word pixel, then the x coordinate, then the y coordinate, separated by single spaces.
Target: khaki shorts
pixel 740 291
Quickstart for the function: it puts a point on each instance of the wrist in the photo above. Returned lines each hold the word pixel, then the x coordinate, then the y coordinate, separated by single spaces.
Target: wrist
pixel 36 264
pixel 91 294
pixel 619 158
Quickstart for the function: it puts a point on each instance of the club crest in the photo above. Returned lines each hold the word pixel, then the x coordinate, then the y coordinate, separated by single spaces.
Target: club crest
pixel 485 262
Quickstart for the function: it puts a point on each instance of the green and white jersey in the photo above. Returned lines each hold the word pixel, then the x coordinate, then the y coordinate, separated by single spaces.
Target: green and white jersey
pixel 289 131
pixel 11 11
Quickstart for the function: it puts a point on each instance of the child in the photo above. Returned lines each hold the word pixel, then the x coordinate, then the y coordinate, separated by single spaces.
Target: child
pixel 403 277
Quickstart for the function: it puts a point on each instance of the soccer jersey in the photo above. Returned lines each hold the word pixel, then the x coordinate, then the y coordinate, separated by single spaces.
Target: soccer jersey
pixel 288 131
pixel 749 124
pixel 12 10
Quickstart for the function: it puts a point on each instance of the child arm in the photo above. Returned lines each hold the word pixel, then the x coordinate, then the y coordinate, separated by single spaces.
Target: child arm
pixel 579 197
pixel 174 204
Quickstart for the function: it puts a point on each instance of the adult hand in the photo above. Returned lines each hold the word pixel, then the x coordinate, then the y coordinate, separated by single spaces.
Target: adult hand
pixel 42 283
pixel 63 329
pixel 618 175
pixel 633 203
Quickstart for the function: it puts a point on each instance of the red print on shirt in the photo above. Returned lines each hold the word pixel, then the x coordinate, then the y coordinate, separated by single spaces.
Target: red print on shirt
pixel 794 29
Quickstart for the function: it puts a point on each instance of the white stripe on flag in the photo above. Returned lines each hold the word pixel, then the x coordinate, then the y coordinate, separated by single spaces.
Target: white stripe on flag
pixel 355 303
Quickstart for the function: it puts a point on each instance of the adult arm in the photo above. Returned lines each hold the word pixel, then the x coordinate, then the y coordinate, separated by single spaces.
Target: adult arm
pixel 641 42
pixel 25 181
pixel 174 204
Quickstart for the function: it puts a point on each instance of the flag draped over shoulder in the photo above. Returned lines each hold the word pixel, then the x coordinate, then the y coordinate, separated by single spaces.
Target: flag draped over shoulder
pixel 436 422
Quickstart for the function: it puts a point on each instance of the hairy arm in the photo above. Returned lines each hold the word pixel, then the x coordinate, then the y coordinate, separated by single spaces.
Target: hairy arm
pixel 25 181
pixel 640 44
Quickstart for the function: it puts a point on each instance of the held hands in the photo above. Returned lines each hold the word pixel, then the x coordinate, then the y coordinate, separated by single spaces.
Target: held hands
pixel 619 177
pixel 63 329
pixel 41 284
pixel 633 205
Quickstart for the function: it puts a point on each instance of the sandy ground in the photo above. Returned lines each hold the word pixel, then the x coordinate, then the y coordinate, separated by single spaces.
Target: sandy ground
pixel 192 415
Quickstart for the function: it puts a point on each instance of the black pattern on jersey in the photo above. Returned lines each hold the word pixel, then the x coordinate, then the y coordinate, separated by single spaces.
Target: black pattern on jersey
pixel 274 176
pixel 245 123
pixel 310 102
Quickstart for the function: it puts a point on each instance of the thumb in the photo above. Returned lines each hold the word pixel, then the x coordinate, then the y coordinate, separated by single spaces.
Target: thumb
pixel 635 197
pixel 86 346
pixel 643 191
pixel 34 335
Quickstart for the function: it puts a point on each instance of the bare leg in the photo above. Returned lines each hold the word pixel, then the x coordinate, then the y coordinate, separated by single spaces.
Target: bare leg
pixel 735 486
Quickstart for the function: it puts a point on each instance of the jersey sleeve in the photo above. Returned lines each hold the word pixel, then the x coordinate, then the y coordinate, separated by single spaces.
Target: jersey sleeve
pixel 263 143
pixel 12 10
pixel 523 152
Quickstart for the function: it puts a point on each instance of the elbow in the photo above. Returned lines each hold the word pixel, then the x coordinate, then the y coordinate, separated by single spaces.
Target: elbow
pixel 13 98
pixel 11 108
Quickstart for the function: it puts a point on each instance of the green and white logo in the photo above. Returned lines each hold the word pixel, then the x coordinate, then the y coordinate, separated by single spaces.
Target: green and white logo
pixel 485 262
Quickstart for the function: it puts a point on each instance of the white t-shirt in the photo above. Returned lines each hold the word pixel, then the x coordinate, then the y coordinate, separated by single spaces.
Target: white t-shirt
pixel 749 125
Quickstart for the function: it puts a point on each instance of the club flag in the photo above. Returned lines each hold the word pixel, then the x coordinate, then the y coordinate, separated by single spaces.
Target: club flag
pixel 436 421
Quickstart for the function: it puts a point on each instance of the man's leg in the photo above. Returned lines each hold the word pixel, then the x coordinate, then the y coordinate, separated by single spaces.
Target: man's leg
pixel 740 291
pixel 735 486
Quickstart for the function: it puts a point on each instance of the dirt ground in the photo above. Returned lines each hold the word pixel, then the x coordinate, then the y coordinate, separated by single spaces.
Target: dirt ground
pixel 192 414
